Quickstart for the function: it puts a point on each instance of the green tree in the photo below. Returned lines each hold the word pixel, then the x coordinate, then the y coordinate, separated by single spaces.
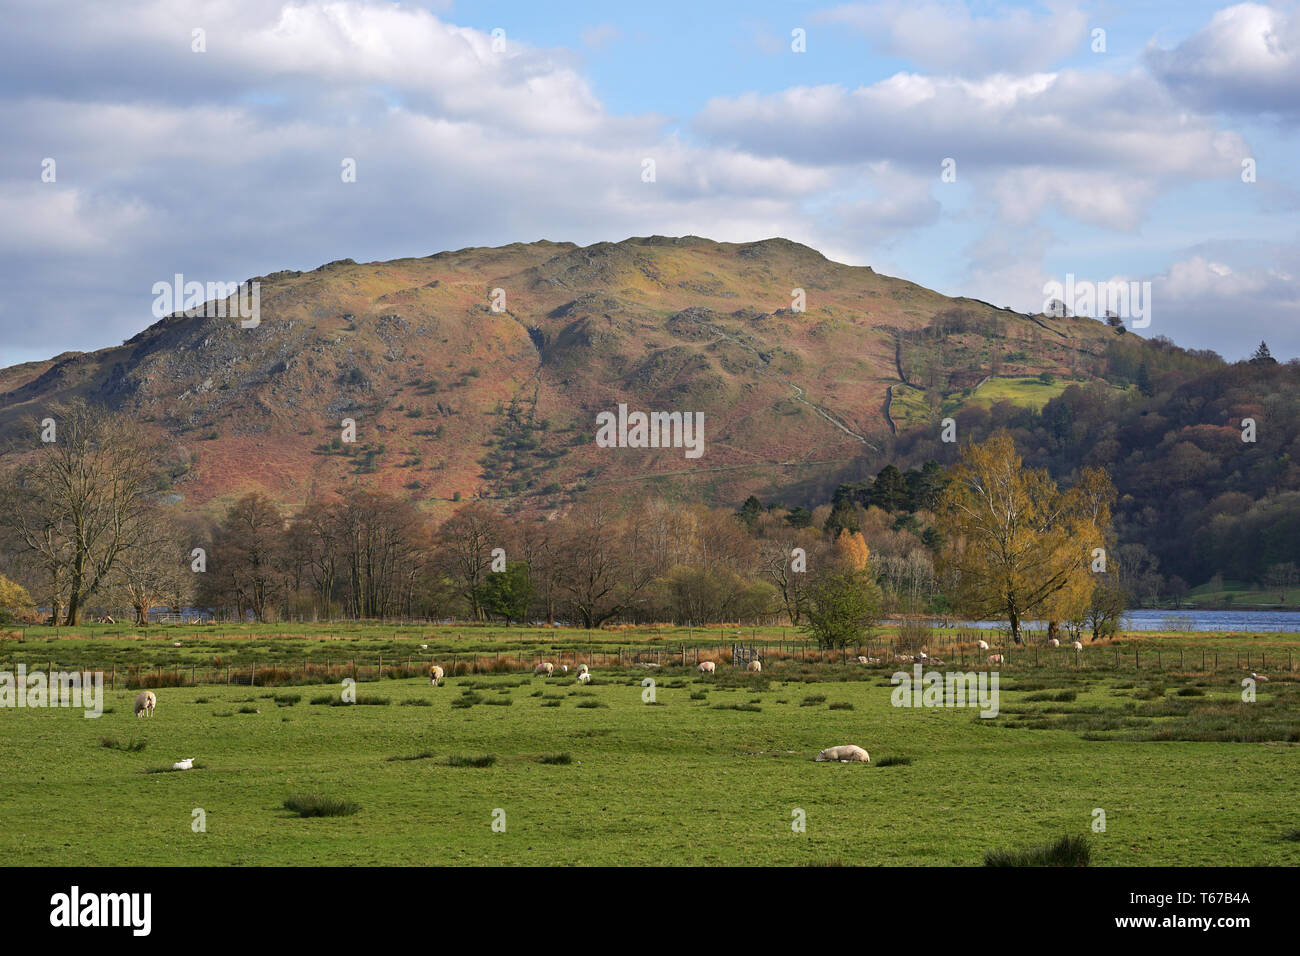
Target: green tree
pixel 508 593
pixel 844 605
pixel 1144 383
pixel 1263 356
pixel 889 490
pixel 750 511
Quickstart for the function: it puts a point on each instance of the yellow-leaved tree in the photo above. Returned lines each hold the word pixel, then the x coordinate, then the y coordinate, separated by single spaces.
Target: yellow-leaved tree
pixel 851 548
pixel 1015 546
pixel 15 602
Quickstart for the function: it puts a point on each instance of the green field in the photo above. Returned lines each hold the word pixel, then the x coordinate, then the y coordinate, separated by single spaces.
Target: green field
pixel 1026 392
pixel 1186 772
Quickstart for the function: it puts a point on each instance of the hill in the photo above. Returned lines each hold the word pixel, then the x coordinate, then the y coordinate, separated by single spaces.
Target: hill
pixel 453 399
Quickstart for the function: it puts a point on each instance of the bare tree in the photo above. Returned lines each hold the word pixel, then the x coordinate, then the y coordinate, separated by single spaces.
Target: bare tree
pixel 80 501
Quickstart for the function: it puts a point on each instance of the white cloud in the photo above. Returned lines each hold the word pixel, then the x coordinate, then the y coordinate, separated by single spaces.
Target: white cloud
pixel 1246 60
pixel 947 38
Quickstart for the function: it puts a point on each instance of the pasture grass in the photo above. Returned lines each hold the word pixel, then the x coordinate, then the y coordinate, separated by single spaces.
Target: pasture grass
pixel 1193 780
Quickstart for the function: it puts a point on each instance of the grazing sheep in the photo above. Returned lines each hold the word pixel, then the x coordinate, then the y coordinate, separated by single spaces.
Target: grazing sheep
pixel 706 667
pixel 145 702
pixel 545 667
pixel 982 645
pixel 1078 645
pixel 584 677
pixel 1053 643
pixel 186 764
pixel 1262 677
pixel 435 675
pixel 996 659
pixel 583 668
pixel 845 753
pixel 756 666
pixel 564 668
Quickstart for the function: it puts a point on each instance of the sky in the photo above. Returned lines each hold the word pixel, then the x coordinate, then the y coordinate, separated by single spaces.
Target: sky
pixel 980 149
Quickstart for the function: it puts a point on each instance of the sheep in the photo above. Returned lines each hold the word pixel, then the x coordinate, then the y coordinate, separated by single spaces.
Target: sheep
pixel 1053 643
pixel 145 702
pixel 584 677
pixel 545 667
pixel 583 668
pixel 706 667
pixel 186 764
pixel 996 659
pixel 1258 677
pixel 435 675
pixel 1077 645
pixel 982 645
pixel 564 668
pixel 861 659
pixel 756 666
pixel 845 753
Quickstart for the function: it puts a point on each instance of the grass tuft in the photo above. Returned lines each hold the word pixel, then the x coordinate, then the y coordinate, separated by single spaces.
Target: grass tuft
pixel 461 760
pixel 1067 851
pixel 319 805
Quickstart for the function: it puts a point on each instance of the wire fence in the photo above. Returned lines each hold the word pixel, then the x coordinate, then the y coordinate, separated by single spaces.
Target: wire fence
pixel 941 651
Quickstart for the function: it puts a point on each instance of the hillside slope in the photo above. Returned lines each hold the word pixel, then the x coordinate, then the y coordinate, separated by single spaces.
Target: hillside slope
pixel 455 400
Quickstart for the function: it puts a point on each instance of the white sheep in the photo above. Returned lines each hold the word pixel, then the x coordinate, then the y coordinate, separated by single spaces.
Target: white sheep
pixel 145 702
pixel 1077 645
pixel 583 668
pixel 564 668
pixel 861 659
pixel 435 675
pixel 1053 643
pixel 996 659
pixel 756 666
pixel 845 753
pixel 545 667
pixel 186 764
pixel 584 677
pixel 982 645
pixel 706 667
pixel 1257 677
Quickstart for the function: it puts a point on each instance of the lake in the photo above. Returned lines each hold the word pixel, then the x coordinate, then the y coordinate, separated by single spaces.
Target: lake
pixel 1188 620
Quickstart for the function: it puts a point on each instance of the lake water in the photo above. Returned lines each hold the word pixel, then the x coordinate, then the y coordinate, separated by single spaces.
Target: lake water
pixel 1189 620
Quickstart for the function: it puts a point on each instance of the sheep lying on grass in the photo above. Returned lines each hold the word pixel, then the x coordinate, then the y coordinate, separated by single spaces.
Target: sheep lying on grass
pixel 1053 643
pixel 845 753
pixel 145 702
